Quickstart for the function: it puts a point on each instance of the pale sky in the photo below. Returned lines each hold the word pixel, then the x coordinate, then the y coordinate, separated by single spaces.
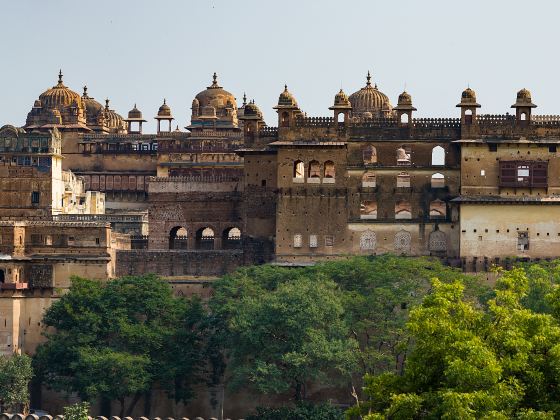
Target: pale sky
pixel 141 51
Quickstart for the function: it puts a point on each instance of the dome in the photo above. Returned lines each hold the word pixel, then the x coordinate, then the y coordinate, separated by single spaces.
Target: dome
pixel 286 99
pixel 134 114
pixel 93 108
pixel 468 99
pixel 214 103
pixel 113 120
pixel 404 102
pixel 341 99
pixel 252 110
pixel 215 96
pixel 60 96
pixel 164 110
pixel 523 99
pixel 370 101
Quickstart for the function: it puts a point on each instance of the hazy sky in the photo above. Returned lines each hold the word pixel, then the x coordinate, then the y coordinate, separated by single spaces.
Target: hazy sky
pixel 142 51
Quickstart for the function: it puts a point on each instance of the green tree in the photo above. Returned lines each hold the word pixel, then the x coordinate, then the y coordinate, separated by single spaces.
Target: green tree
pixel 15 374
pixel 285 337
pixel 78 411
pixel 121 339
pixel 471 361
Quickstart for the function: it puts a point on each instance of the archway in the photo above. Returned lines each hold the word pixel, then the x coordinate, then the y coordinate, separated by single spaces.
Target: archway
pixel 231 238
pixel 2 277
pixel 205 238
pixel 438 156
pixel 178 238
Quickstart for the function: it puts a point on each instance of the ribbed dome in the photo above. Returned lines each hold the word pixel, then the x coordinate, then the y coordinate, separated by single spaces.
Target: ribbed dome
pixel 60 96
pixel 369 101
pixel 164 110
pixel 287 99
pixel 93 108
pixel 112 119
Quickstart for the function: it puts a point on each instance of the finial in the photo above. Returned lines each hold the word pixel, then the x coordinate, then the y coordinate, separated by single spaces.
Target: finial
pixel 85 92
pixel 60 77
pixel 107 104
pixel 285 87
pixel 164 101
pixel 368 79
pixel 244 99
pixel 375 86
pixel 215 79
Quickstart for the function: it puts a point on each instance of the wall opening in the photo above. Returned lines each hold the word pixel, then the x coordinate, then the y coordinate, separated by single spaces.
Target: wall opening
pixel 438 156
pixel 299 169
pixel 231 238
pixel 329 169
pixel 438 180
pixel 178 238
pixel 369 155
pixel 314 169
pixel 205 238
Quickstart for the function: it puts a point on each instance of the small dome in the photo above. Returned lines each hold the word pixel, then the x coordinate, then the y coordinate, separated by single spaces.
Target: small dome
pixel 468 99
pixel 60 96
pixel 252 110
pixel 164 110
pixel 195 103
pixel 341 99
pixel 369 101
pixel 134 113
pixel 524 99
pixel 93 108
pixel 112 119
pixel 405 98
pixel 286 99
pixel 404 102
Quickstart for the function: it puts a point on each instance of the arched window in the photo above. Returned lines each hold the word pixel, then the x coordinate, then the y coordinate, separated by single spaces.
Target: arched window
pixel 205 238
pixel 403 180
pixel 438 156
pixel 329 169
pixel 438 180
pixel 368 209
pixel 340 117
pixel 369 180
pixel 523 116
pixel 438 209
pixel 403 156
pixel 285 120
pixel 369 155
pixel 299 170
pixel 231 238
pixel 403 242
pixel 314 169
pixel 404 118
pixel 178 238
pixel 403 210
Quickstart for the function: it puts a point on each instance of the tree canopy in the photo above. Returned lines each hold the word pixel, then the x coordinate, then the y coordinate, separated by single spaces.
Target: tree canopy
pixel 472 361
pixel 120 338
pixel 15 374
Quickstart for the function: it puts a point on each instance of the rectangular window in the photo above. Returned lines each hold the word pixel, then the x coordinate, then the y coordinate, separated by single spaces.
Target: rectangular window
pixel 96 241
pixel 313 241
pixel 522 241
pixel 329 240
pixel 552 149
pixel 298 239
pixel 518 174
pixel 35 195
pixel 492 147
pixel 70 240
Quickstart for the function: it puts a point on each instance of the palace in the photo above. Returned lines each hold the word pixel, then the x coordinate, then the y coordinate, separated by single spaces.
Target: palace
pixel 85 192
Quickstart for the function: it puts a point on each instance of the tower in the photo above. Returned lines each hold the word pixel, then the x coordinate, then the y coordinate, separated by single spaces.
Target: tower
pixel 164 114
pixel 523 106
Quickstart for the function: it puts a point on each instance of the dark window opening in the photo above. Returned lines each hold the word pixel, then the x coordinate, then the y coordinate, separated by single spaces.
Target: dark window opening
pixel 518 174
pixel 35 197
pixel 522 241
pixel 552 149
pixel 492 147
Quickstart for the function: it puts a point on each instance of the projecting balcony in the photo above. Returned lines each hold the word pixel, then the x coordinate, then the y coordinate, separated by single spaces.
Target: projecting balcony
pixel 14 286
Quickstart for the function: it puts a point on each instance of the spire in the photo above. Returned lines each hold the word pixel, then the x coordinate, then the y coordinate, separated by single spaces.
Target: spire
pixel 107 104
pixel 85 95
pixel 244 99
pixel 285 87
pixel 215 79
pixel 60 77
pixel 164 101
pixel 368 84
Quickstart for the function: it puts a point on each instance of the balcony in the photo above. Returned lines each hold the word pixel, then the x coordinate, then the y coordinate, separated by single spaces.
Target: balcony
pixel 14 286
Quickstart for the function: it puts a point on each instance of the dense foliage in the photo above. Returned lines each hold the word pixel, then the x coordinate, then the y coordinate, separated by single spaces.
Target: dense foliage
pixel 119 339
pixel 468 361
pixel 78 411
pixel 301 411
pixel 282 328
pixel 15 374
